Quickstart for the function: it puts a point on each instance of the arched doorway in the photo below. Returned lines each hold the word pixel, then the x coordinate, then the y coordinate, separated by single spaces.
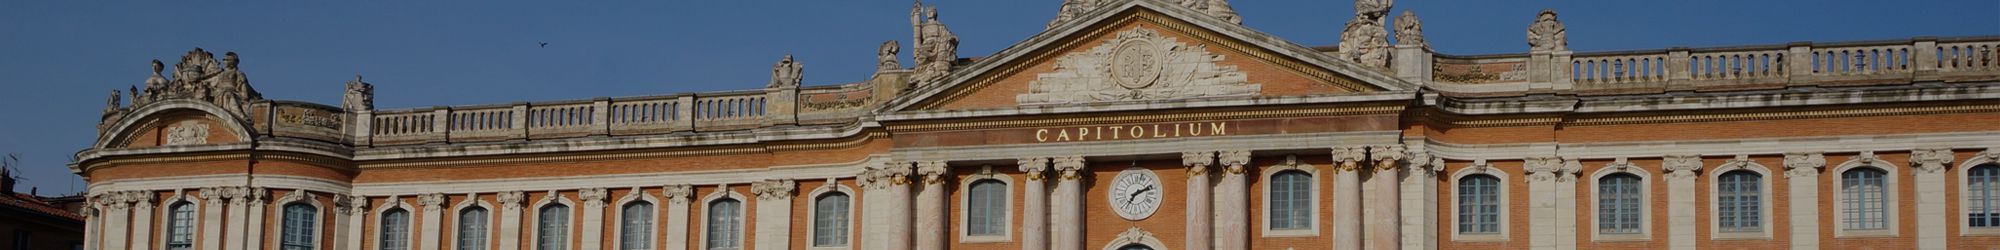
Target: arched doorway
pixel 1135 247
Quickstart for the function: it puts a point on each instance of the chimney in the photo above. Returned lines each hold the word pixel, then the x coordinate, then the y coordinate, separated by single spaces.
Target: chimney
pixel 6 181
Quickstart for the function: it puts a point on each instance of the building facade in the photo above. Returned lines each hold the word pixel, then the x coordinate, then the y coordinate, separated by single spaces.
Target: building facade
pixel 1136 124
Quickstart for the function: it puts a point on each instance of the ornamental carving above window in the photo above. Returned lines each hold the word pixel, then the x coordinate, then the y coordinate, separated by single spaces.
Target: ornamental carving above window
pixel 1139 64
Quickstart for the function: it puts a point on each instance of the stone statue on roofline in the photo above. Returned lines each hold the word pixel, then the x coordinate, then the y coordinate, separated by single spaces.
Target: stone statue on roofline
pixel 885 57
pixel 111 104
pixel 1364 41
pixel 1410 31
pixel 786 73
pixel 154 84
pixel 1072 9
pixel 360 96
pixel 1547 33
pixel 198 76
pixel 936 47
pixel 1377 10
pixel 231 87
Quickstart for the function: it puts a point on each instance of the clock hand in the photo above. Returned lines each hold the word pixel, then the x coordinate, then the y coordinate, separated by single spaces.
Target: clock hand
pixel 1135 194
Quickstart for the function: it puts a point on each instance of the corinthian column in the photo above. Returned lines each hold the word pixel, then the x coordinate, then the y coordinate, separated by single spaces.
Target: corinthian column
pixel 1347 197
pixel 1200 225
pixel 1068 219
pixel 899 205
pixel 1387 233
pixel 1232 201
pixel 1802 180
pixel 1035 205
pixel 930 205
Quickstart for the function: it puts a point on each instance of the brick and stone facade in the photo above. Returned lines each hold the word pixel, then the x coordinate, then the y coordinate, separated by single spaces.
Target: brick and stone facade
pixel 1379 145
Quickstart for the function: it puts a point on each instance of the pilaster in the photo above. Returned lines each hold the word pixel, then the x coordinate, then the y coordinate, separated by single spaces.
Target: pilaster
pixel 593 217
pixel 1802 180
pixel 1067 223
pixel 931 204
pixel 510 219
pixel 1385 227
pixel 1542 198
pixel 774 213
pixel 234 226
pixel 211 218
pixel 678 197
pixel 1930 165
pixel 356 218
pixel 93 221
pixel 1200 216
pixel 1681 173
pixel 1035 205
pixel 117 219
pixel 1347 211
pixel 1566 175
pixel 1420 197
pixel 254 225
pixel 433 216
pixel 142 214
pixel 342 207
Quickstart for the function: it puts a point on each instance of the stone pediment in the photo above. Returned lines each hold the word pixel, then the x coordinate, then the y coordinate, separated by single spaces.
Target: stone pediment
pixel 1139 51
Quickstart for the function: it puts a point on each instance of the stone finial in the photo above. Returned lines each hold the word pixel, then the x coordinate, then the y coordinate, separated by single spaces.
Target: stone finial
pixel 1037 168
pixel 1387 158
pixel 360 96
pixel 1072 9
pixel 1365 41
pixel 1410 31
pixel 933 171
pixel 885 57
pixel 774 189
pixel 1373 9
pixel 1197 162
pixel 678 193
pixel 593 194
pixel 1682 166
pixel 1070 167
pixel 511 199
pixel 430 200
pixel 1931 160
pixel 786 73
pixel 1547 33
pixel 936 46
pixel 1803 164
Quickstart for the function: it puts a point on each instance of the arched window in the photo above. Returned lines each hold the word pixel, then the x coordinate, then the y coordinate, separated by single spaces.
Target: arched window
pixel 1135 247
pixel 1739 201
pixel 1479 204
pixel 1982 194
pixel 830 220
pixel 986 207
pixel 725 224
pixel 472 228
pixel 554 228
pixel 1864 195
pixel 636 230
pixel 1618 204
pixel 395 230
pixel 180 226
pixel 300 218
pixel 1291 200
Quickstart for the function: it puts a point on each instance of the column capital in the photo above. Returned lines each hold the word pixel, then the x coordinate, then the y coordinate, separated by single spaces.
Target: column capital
pixel 511 199
pixel 776 189
pixel 431 200
pixel 1426 163
pixel 1036 167
pixel 1070 167
pixel 1547 168
pixel 593 195
pixel 1387 158
pixel 897 172
pixel 1197 162
pixel 1234 162
pixel 933 171
pixel 1803 164
pixel 360 204
pixel 678 193
pixel 1682 166
pixel 1931 160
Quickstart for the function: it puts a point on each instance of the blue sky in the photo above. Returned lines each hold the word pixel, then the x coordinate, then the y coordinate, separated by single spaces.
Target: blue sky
pixel 62 57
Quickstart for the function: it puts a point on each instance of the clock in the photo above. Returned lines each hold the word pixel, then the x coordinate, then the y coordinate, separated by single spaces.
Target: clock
pixel 1135 193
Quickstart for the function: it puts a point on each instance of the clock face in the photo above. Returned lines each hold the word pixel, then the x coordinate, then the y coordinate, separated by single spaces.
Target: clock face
pixel 1135 193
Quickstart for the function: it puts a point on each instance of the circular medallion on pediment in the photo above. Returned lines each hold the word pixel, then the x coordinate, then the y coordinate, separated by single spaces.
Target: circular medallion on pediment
pixel 1135 64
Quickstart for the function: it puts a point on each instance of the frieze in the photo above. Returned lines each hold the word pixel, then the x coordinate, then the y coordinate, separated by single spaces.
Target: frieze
pixel 1126 132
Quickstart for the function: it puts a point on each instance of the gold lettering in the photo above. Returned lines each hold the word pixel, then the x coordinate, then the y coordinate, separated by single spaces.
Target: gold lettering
pixel 1081 132
pixel 1177 130
pixel 1062 135
pixel 1194 129
pixel 1157 133
pixel 1220 128
pixel 1137 132
pixel 1114 131
pixel 1100 132
pixel 1042 135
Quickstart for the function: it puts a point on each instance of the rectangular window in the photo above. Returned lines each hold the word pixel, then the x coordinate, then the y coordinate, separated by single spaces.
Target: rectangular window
pixel 1739 202
pixel 1983 197
pixel 1619 210
pixel 1478 205
pixel 1863 197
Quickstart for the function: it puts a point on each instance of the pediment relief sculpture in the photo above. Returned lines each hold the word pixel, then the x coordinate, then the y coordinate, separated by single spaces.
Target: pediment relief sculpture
pixel 1140 64
pixel 187 133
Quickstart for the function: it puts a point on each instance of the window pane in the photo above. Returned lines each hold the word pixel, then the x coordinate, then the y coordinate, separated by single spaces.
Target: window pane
pixel 300 218
pixel 724 225
pixel 395 230
pixel 1291 200
pixel 1479 207
pixel 637 227
pixel 985 208
pixel 1739 196
pixel 180 228
pixel 830 220
pixel 553 228
pixel 1983 196
pixel 1864 197
pixel 472 229
pixel 1619 204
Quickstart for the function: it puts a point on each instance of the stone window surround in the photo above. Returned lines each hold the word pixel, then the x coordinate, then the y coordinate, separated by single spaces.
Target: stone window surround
pixel 1479 167
pixel 1646 183
pixel 300 196
pixel 1135 236
pixel 723 191
pixel 534 214
pixel 1891 210
pixel 471 201
pixel 618 218
pixel 1764 193
pixel 1965 195
pixel 394 202
pixel 812 215
pixel 1312 173
pixel 166 214
pixel 1007 211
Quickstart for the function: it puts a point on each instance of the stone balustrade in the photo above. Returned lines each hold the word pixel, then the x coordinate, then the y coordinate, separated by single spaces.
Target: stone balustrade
pixel 567 119
pixel 1728 68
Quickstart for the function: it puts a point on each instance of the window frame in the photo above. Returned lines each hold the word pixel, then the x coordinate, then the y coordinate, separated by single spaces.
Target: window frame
pixel 534 225
pixel 457 226
pixel 1314 177
pixel 831 186
pixel 653 233
pixel 1501 192
pixel 166 232
pixel 307 199
pixel 1963 216
pixel 1891 199
pixel 1765 206
pixel 743 206
pixel 1645 183
pixel 391 204
pixel 1006 207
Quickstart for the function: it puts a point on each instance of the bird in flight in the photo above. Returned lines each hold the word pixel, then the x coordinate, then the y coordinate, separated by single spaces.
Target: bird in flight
pixel 545 45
